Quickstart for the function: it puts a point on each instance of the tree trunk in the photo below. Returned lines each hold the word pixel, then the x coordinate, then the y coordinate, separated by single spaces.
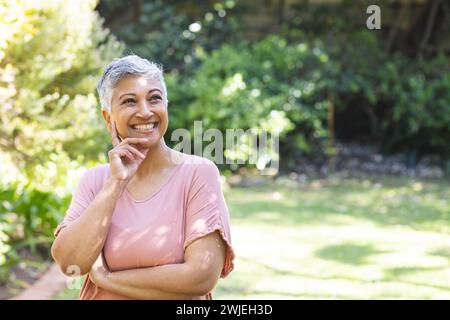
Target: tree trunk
pixel 429 26
pixel 330 146
pixel 399 17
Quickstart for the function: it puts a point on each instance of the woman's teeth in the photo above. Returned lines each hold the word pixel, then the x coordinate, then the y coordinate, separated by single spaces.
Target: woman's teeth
pixel 144 127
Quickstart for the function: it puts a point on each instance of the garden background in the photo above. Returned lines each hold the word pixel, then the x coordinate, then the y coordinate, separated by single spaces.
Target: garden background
pixel 359 208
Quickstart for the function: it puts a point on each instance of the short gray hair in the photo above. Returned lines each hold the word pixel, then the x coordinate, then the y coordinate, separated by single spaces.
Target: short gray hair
pixel 128 65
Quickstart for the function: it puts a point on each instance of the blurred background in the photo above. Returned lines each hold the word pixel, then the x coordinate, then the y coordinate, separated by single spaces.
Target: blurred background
pixel 359 208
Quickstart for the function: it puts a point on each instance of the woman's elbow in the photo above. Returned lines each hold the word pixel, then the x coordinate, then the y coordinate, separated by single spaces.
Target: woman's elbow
pixel 57 256
pixel 205 285
pixel 69 268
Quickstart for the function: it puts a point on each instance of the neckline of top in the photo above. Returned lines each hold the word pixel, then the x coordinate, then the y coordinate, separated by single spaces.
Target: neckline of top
pixel 177 167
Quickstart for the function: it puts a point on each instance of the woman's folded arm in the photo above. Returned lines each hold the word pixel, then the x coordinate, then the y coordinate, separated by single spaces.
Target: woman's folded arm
pixel 196 276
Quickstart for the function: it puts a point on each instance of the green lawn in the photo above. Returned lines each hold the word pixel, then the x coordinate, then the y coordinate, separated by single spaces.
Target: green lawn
pixel 384 239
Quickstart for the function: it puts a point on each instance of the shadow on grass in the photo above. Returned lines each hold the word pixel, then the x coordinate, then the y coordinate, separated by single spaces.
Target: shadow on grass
pixel 391 275
pixel 395 273
pixel 349 253
pixel 394 202
pixel 443 252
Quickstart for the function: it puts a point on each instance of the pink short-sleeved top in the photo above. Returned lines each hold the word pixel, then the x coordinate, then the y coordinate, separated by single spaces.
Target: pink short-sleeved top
pixel 155 231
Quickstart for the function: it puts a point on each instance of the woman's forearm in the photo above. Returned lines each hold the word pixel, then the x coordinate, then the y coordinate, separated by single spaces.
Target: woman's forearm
pixel 80 243
pixel 172 281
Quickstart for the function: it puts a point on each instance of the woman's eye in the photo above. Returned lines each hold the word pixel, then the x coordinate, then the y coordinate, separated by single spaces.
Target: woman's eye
pixel 155 98
pixel 127 101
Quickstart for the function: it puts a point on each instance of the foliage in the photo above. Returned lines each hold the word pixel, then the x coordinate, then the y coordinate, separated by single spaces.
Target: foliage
pixel 402 104
pixel 28 218
pixel 254 86
pixel 51 53
pixel 50 56
pixel 290 80
pixel 157 31
pixel 420 94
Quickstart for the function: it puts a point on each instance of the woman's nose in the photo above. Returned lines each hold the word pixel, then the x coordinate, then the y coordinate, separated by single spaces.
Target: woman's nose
pixel 144 110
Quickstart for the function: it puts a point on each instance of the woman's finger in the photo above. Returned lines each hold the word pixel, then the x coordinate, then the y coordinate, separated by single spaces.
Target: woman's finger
pixel 135 151
pixel 124 152
pixel 129 155
pixel 114 134
pixel 120 152
pixel 114 156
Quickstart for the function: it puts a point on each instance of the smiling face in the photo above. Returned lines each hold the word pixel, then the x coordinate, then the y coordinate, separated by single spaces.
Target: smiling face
pixel 139 108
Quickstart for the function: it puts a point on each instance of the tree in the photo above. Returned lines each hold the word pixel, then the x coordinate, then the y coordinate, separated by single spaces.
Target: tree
pixel 51 54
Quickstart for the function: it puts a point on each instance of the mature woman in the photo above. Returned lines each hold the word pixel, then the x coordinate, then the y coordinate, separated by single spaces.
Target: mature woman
pixel 153 223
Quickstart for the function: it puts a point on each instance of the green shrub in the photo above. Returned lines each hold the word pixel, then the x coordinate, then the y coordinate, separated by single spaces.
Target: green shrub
pixel 157 31
pixel 406 102
pixel 421 107
pixel 28 218
pixel 403 105
pixel 50 59
pixel 269 85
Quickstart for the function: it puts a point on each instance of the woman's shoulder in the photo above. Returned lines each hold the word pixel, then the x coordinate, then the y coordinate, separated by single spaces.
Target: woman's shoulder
pixel 194 166
pixel 100 169
pixel 197 163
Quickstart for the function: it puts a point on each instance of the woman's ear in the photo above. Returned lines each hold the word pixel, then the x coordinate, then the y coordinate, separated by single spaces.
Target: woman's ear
pixel 107 118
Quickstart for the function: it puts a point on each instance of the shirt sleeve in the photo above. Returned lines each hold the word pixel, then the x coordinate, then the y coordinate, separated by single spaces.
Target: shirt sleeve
pixel 83 195
pixel 207 211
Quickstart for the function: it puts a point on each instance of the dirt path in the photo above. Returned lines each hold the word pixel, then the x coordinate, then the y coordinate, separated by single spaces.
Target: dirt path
pixel 46 287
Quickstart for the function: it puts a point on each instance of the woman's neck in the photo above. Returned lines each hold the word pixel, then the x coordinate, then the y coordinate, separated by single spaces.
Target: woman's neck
pixel 158 158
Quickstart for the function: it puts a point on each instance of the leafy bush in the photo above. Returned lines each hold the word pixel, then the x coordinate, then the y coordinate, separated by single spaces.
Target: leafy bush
pixel 51 54
pixel 157 31
pixel 28 218
pixel 268 85
pixel 399 103
pixel 421 107
pixel 405 102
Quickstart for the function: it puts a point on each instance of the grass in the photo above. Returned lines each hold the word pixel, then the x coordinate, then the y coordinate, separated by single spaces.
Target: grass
pixel 70 293
pixel 384 239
